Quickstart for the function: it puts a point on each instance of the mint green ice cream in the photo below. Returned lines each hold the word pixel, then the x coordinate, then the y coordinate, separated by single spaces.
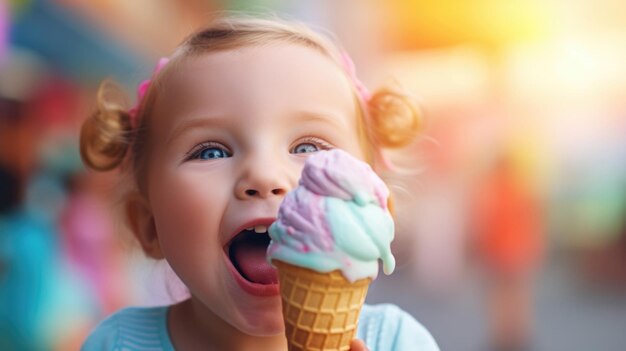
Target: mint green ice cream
pixel 336 219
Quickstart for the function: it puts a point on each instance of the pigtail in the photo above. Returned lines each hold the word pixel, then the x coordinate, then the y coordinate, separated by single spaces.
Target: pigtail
pixel 395 119
pixel 105 136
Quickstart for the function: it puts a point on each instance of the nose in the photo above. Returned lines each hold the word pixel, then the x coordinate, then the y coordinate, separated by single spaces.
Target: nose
pixel 262 180
pixel 262 193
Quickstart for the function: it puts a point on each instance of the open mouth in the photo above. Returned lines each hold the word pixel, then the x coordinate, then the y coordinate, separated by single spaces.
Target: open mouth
pixel 248 253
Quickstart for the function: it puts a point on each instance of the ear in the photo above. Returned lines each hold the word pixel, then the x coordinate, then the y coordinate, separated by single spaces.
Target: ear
pixel 141 222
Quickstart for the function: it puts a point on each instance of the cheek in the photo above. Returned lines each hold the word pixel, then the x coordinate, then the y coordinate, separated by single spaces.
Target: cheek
pixel 365 149
pixel 359 148
pixel 356 141
pixel 187 210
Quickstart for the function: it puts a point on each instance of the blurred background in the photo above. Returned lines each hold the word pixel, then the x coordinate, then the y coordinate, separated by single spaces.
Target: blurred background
pixel 511 237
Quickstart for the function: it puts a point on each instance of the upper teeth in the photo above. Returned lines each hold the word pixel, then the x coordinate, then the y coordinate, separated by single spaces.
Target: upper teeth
pixel 258 228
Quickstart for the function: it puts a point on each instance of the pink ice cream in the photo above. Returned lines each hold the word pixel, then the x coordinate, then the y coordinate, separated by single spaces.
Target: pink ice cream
pixel 337 218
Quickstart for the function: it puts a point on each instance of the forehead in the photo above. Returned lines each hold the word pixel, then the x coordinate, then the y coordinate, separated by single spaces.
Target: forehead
pixel 264 77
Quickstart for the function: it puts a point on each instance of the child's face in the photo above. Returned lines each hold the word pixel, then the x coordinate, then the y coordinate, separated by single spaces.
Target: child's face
pixel 229 137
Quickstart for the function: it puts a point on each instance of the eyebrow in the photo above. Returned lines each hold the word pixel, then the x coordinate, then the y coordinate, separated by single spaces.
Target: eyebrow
pixel 188 124
pixel 321 116
pixel 221 121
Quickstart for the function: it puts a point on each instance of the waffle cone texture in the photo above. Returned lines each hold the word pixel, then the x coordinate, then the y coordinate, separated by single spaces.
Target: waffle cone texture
pixel 321 310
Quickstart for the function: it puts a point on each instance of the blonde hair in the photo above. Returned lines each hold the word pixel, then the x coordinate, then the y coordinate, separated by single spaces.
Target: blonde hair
pixel 109 138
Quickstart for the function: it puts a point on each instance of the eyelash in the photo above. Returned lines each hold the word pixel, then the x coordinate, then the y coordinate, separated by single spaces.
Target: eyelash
pixel 195 152
pixel 320 143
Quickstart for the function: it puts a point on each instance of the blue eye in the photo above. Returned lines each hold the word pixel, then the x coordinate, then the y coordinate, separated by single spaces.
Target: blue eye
pixel 304 148
pixel 209 151
pixel 310 144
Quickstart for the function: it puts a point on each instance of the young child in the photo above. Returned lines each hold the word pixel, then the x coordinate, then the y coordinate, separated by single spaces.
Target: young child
pixel 218 137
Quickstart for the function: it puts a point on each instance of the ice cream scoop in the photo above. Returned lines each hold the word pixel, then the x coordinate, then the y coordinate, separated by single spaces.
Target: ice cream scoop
pixel 335 219
pixel 330 233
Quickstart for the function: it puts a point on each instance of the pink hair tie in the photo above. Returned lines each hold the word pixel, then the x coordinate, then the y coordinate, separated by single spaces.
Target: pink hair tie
pixel 365 96
pixel 142 89
pixel 350 68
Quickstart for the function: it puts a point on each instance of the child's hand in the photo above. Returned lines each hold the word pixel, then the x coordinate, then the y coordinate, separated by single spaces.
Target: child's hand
pixel 358 345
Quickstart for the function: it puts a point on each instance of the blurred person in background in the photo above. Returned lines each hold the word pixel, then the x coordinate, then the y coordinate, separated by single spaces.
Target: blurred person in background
pixel 23 259
pixel 27 242
pixel 89 241
pixel 507 228
pixel 440 262
pixel 43 303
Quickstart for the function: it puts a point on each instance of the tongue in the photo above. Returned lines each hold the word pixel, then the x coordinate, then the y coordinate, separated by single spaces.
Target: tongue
pixel 250 257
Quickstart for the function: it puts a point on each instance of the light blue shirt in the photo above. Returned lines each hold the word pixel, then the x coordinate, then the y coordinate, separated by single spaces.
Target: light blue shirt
pixel 383 328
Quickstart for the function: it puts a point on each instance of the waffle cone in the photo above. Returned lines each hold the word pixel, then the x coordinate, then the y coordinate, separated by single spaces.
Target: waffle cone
pixel 321 310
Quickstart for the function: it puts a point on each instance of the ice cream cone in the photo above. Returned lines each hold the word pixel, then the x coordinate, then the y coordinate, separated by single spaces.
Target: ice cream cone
pixel 321 310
